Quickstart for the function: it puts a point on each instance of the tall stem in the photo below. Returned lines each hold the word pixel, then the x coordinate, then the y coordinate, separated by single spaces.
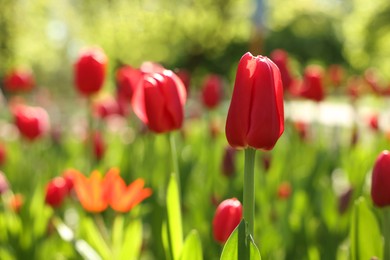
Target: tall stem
pixel 386 233
pixel 249 190
pixel 175 163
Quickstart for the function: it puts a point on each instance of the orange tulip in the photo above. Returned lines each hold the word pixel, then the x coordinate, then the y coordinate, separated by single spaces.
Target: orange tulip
pixel 90 191
pixel 123 198
pixel 95 193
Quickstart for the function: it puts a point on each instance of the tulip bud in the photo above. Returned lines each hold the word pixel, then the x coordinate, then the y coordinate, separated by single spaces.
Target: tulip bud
pixel 284 190
pixel 16 202
pixel 380 182
pixel 32 122
pixel 90 71
pixel 56 191
pixel 256 113
pixel 345 199
pixel 228 162
pixel 19 80
pixel 280 58
pixel 127 79
pixel 312 86
pixel 159 101
pixel 336 73
pixel 3 154
pixel 99 146
pixel 227 216
pixel 69 177
pixel 3 183
pixel 212 91
pixel 373 122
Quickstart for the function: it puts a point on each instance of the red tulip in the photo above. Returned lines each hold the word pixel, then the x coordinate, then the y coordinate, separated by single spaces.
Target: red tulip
pixel 373 122
pixel 19 80
pixel 56 191
pixel 99 146
pixel 185 77
pixel 280 58
pixel 149 67
pixel 284 190
pixel 32 122
pixel 336 73
pixel 3 154
pixel 312 86
pixel 159 101
pixel 90 71
pixel 69 177
pixel 106 107
pixel 212 91
pixel 227 217
pixel 127 79
pixel 228 162
pixel 380 182
pixel 256 114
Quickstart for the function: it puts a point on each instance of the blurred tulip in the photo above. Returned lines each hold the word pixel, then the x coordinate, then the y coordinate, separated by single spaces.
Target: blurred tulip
pixel 256 113
pixel 353 87
pixel 227 217
pixel 373 122
pixel 185 77
pixel 32 122
pixel 312 85
pixel 19 80
pixel 120 197
pixel 212 91
pixel 99 146
pixel 280 58
pixel 89 191
pixel 301 128
pixel 344 200
pixel 95 193
pixel 56 191
pixel 380 181
pixel 127 79
pixel 3 154
pixel 228 162
pixel 284 190
pixel 69 177
pixel 149 67
pixel 3 183
pixel 215 127
pixel 16 202
pixel 90 71
pixel 266 160
pixel 105 107
pixel 159 101
pixel 335 74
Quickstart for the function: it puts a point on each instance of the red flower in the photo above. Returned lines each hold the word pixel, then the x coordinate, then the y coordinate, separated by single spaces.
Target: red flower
pixel 228 162
pixel 380 182
pixel 336 74
pixel 212 91
pixel 16 202
pixel 280 57
pixel 56 191
pixel 19 80
pixel 106 107
pixel 127 79
pixel 227 216
pixel 99 146
pixel 3 154
pixel 256 113
pixel 69 177
pixel 284 190
pixel 90 71
pixel 312 86
pixel 32 122
pixel 159 101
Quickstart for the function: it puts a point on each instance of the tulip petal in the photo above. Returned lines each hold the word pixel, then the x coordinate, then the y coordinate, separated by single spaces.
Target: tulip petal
pixel 239 111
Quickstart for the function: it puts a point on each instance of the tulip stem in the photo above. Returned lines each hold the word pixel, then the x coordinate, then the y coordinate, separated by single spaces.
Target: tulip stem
pixel 175 163
pixel 249 190
pixel 386 233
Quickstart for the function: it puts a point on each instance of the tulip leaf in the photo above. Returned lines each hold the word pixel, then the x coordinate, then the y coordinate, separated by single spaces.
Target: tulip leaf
pixel 192 248
pixel 175 233
pixel 95 239
pixel 236 247
pixel 132 240
pixel 365 235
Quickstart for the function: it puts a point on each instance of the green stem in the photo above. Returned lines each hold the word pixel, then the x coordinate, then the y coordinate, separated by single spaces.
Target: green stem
pixel 89 132
pixel 175 162
pixel 386 233
pixel 249 190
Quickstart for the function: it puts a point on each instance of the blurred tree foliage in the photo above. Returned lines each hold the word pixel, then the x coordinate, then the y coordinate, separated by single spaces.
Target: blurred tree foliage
pixel 202 35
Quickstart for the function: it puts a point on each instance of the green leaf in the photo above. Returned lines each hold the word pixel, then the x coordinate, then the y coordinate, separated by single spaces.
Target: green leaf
pixel 117 234
pixel 192 249
pixel 132 241
pixel 95 239
pixel 236 248
pixel 364 234
pixel 175 231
